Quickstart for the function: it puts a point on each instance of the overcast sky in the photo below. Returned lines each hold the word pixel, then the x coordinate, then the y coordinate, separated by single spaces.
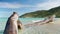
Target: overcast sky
pixel 25 6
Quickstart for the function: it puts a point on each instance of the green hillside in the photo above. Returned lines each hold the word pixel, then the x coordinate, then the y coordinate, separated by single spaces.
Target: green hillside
pixel 43 13
pixel 55 11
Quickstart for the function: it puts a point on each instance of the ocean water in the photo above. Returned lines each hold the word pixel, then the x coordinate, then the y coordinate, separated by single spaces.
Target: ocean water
pixel 49 28
pixel 24 21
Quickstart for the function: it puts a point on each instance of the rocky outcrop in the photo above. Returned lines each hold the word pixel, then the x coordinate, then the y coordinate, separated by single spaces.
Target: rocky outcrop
pixel 11 25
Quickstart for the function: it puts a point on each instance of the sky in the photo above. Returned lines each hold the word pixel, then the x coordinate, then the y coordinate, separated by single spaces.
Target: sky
pixel 7 7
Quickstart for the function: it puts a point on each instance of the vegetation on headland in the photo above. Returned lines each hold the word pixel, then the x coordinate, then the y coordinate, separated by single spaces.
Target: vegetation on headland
pixel 43 13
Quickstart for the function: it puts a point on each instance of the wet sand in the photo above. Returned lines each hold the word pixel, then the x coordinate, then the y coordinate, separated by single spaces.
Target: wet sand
pixel 49 28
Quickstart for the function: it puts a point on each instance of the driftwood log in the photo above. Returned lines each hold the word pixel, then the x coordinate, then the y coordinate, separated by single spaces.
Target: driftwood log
pixel 49 19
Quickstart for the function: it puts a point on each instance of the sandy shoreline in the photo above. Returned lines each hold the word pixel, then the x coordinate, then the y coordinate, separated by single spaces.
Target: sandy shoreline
pixel 50 28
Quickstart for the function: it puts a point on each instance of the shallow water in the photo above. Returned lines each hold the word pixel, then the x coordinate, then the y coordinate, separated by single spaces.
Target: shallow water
pixel 49 28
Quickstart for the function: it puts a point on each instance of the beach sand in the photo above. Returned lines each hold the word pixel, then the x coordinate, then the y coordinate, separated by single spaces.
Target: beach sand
pixel 49 28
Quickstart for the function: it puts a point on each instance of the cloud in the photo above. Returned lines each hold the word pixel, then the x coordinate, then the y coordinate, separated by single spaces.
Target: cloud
pixel 39 6
pixel 48 5
pixel 12 5
pixel 9 5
